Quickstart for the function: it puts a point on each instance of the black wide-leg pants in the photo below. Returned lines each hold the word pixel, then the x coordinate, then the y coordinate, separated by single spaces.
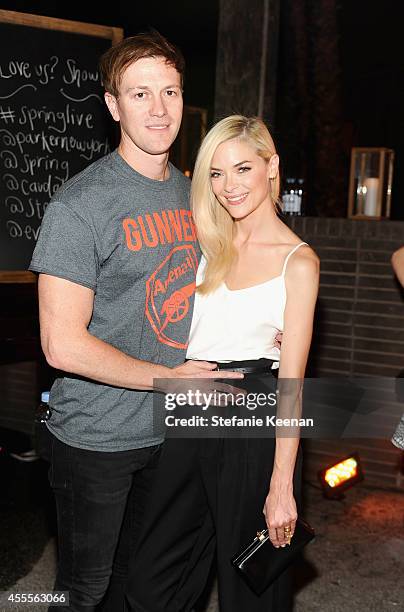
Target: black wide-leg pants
pixel 207 499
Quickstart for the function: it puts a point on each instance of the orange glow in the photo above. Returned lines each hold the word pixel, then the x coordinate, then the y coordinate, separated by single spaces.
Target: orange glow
pixel 341 472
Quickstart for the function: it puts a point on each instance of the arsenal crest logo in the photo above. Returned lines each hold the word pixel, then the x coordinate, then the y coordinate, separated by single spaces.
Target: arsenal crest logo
pixel 168 293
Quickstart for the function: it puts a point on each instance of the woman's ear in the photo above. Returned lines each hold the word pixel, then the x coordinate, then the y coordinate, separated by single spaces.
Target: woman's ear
pixel 273 167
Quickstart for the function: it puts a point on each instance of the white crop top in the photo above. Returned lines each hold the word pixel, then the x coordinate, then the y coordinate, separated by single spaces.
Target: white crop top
pixel 240 324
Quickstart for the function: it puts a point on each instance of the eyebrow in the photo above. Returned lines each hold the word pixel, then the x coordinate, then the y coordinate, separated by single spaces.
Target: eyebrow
pixel 246 161
pixel 147 87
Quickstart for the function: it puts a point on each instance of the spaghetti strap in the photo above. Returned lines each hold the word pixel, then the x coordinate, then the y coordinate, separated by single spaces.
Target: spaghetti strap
pixel 289 254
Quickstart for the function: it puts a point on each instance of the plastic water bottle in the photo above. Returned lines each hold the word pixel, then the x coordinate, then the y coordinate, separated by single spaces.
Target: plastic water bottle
pixel 289 197
pixel 292 196
pixel 300 194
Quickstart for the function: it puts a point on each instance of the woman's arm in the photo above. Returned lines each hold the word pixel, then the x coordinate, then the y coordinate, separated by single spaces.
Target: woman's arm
pixel 397 261
pixel 302 287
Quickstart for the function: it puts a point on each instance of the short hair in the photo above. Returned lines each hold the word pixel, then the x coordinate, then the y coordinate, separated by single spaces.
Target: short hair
pixel 213 223
pixel 117 58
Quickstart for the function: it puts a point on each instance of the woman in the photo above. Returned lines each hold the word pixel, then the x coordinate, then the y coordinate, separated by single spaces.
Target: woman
pixel 256 278
pixel 397 261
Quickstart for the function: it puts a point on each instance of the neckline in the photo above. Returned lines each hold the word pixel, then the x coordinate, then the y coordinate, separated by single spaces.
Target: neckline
pixel 252 286
pixel 122 166
pixel 282 275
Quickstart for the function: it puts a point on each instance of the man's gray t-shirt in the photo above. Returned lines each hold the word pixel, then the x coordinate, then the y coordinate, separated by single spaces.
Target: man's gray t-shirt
pixel 132 241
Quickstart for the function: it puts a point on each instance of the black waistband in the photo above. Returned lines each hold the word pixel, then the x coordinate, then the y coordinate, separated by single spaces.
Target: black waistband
pixel 249 366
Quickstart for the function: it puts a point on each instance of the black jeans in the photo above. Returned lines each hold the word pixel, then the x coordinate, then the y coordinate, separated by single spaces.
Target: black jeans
pixel 100 500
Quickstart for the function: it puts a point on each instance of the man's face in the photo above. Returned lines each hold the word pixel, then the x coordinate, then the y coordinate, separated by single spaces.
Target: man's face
pixel 149 106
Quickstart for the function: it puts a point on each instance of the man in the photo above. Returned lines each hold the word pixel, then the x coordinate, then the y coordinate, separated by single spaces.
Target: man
pixel 117 257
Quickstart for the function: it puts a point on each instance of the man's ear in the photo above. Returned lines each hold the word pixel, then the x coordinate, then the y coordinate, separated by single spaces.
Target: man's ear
pixel 112 104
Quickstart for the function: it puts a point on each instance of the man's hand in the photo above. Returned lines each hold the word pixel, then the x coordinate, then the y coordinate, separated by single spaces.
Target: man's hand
pixel 182 379
pixel 202 369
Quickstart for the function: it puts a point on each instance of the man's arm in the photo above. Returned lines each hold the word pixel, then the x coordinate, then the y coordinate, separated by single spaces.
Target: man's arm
pixel 397 261
pixel 65 311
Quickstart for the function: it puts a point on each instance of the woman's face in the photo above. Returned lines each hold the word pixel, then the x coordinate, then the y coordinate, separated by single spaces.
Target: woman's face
pixel 240 178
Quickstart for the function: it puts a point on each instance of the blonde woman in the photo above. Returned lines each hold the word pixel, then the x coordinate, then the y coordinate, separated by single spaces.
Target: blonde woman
pixel 256 279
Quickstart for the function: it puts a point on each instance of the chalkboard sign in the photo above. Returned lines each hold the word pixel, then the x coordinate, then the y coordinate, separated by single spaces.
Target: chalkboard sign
pixel 53 122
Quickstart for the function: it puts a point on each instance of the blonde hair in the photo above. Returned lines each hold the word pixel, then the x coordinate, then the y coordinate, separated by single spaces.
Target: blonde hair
pixel 213 223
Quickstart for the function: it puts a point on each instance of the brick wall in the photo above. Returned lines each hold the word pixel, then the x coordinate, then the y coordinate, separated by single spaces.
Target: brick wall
pixel 359 328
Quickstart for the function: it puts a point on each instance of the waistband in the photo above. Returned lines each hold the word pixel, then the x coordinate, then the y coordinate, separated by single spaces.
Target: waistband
pixel 250 366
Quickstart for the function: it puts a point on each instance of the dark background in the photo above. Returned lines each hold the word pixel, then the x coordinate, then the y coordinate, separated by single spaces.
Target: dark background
pixel 339 72
pixel 363 81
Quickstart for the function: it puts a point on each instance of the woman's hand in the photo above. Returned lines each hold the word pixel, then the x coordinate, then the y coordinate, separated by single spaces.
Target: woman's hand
pixel 280 512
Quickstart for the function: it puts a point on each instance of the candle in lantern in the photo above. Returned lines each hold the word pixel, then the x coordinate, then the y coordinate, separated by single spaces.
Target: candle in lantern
pixel 371 190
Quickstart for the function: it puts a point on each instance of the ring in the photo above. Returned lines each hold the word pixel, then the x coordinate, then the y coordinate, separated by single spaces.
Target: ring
pixel 287 529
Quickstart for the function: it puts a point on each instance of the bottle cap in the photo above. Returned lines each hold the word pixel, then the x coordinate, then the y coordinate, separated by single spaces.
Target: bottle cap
pixel 45 397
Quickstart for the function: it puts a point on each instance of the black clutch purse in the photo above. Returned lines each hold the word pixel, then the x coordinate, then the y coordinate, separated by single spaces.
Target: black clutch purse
pixel 260 563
